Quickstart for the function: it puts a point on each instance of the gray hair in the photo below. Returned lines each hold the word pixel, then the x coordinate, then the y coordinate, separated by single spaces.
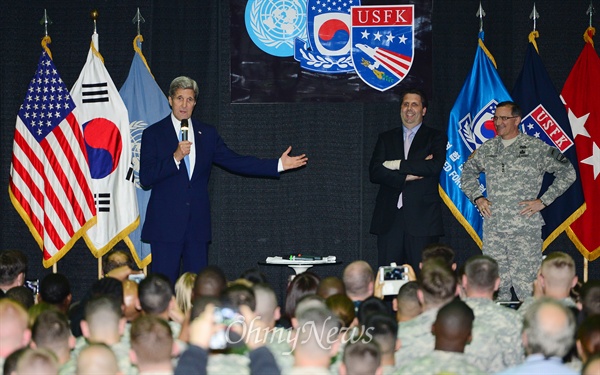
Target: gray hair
pixel 549 327
pixel 184 83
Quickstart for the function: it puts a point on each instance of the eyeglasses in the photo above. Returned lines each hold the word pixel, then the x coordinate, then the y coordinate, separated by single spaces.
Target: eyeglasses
pixel 503 118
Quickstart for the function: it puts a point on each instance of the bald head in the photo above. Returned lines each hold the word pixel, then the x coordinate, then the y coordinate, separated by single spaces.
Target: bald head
pixel 358 279
pixel 549 328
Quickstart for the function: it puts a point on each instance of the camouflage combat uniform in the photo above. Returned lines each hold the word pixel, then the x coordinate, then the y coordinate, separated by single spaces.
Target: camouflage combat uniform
pixel 514 174
pixel 415 337
pixel 440 362
pixel 496 342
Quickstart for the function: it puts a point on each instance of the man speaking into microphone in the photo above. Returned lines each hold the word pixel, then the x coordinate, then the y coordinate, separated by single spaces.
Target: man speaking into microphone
pixel 176 158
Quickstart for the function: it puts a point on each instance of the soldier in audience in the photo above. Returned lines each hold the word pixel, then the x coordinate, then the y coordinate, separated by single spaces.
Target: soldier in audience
pixel 156 298
pixel 452 331
pixel 55 289
pixel 22 295
pixel 383 329
pixel 361 357
pixel 437 287
pixel 406 304
pixel 497 329
pixel 36 361
pixel 152 345
pixel 588 338
pixel 51 331
pixel 14 332
pixel 97 359
pixel 210 282
pixel 330 286
pixel 13 268
pixel 548 335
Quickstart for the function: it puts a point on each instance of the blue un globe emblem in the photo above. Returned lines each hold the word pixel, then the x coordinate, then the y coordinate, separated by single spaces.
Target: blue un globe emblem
pixel 274 24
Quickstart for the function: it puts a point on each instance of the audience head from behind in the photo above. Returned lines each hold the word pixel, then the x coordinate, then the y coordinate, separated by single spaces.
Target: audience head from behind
pixel 22 295
pixel 343 307
pixel 359 280
pixel 383 329
pixel 156 295
pixel 51 331
pixel 152 345
pixel 55 289
pixel 13 269
pixel 267 308
pixel 311 349
pixel 557 275
pixel 452 327
pixel 588 338
pixel 117 258
pixel 210 282
pixel 437 284
pixel 14 332
pixel 330 286
pixel 371 305
pixel 103 320
pixel 303 284
pixel 589 298
pixel 131 301
pixel 361 357
pixel 406 304
pixel 548 328
pixel 254 276
pixel 36 361
pixel 237 295
pixel 184 287
pixel 97 358
pixel 441 252
pixel 481 278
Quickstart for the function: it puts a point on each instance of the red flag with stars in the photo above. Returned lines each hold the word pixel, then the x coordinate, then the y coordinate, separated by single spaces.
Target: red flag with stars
pixel 581 95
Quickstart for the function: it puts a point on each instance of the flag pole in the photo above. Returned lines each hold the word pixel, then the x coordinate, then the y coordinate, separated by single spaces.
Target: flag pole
pixel 480 13
pixel 590 12
pixel 46 21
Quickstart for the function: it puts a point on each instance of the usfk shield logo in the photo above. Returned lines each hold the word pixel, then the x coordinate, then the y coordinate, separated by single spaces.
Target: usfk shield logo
pixel 382 44
pixel 327 49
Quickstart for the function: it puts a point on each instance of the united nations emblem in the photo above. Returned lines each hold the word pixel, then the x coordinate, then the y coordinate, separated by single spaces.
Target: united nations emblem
pixel 274 24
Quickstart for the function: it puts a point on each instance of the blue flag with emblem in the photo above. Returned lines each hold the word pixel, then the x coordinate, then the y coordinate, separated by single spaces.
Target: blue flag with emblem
pixel 146 104
pixel 545 117
pixel 470 125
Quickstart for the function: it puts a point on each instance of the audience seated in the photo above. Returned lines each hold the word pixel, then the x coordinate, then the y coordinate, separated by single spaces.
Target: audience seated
pixel 437 287
pixel 152 345
pixel 97 359
pixel 15 333
pixel 588 338
pixel 184 287
pixel 210 282
pixel 330 286
pixel 497 329
pixel 131 301
pixel 341 305
pixel 22 295
pixel 452 331
pixel 156 298
pixel 36 361
pixel 548 331
pixel 51 331
pixel 303 284
pixel 359 281
pixel 13 268
pixel 361 357
pixel 383 330
pixel 406 304
pixel 55 290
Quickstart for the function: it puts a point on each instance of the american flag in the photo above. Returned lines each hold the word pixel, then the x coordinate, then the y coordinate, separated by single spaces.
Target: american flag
pixel 49 176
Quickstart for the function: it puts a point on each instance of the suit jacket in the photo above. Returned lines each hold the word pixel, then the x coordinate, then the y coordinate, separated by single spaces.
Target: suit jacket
pixel 178 202
pixel 421 198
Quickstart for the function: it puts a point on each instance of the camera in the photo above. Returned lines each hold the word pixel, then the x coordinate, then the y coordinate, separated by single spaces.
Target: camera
pixel 392 278
pixel 137 277
pixel 225 337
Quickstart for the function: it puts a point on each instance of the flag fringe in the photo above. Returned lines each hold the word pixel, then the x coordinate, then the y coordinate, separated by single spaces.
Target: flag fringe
pixel 589 255
pixel 487 52
pixel 563 227
pixel 47 263
pixel 120 236
pixel 138 50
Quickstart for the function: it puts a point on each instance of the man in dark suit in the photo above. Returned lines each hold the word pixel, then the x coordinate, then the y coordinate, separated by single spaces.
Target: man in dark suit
pixel 178 216
pixel 406 163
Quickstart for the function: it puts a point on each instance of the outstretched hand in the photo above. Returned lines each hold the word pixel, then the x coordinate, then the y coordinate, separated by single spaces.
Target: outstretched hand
pixel 292 162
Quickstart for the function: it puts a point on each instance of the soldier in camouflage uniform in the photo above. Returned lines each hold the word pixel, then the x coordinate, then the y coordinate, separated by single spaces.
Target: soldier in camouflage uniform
pixel 496 343
pixel 437 286
pixel 514 165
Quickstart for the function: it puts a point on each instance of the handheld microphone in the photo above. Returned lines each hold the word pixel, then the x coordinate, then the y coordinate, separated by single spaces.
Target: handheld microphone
pixel 184 130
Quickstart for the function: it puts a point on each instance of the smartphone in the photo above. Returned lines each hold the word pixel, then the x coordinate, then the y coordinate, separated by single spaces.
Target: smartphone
pixel 393 273
pixel 225 316
pixel 137 277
